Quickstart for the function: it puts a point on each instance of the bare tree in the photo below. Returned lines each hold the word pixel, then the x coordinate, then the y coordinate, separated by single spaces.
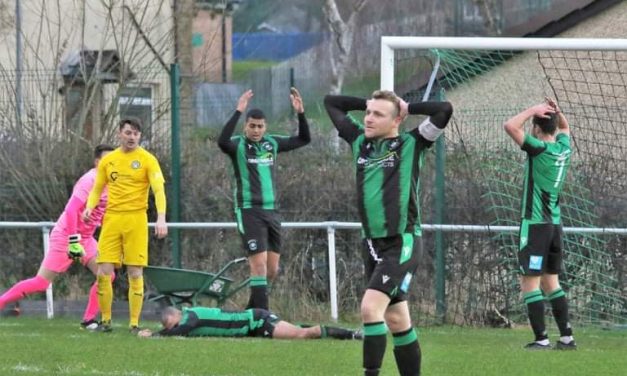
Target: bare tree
pixel 7 22
pixel 490 13
pixel 342 31
pixel 72 95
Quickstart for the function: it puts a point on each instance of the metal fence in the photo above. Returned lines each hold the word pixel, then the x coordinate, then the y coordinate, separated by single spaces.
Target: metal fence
pixel 475 292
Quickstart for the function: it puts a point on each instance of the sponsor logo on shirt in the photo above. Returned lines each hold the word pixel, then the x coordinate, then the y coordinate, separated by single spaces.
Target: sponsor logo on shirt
pixel 266 159
pixel 386 161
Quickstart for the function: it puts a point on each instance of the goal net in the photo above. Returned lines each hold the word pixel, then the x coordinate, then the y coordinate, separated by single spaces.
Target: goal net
pixel 489 80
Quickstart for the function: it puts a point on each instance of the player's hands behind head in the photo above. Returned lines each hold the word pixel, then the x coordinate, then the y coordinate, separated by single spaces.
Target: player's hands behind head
pixel 75 250
pixel 551 102
pixel 404 108
pixel 543 110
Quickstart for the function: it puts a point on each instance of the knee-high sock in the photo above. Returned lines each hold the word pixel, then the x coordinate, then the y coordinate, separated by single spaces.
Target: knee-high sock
pixel 91 311
pixel 23 288
pixel 407 352
pixel 105 296
pixel 559 305
pixel 375 341
pixel 258 292
pixel 135 299
pixel 535 309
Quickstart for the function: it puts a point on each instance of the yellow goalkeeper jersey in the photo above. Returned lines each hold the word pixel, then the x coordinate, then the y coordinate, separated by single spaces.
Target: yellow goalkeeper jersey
pixel 128 177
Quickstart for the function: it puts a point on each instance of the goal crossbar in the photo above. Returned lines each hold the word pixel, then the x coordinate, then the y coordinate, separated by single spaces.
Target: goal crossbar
pixel 391 43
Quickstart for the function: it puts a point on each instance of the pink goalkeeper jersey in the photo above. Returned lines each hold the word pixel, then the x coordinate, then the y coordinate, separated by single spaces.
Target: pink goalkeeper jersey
pixel 79 194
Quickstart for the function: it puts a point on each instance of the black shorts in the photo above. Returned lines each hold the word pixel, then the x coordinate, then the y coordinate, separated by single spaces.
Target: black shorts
pixel 391 263
pixel 260 230
pixel 540 248
pixel 266 321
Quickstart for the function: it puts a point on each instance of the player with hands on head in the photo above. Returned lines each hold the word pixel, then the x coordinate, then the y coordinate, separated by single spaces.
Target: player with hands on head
pixel 387 165
pixel 540 249
pixel 71 239
pixel 253 157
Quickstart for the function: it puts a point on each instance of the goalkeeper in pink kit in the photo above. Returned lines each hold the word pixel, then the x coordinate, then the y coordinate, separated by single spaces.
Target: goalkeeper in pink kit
pixel 71 239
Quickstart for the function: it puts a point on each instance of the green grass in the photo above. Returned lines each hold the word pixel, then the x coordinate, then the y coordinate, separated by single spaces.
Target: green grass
pixel 30 346
pixel 240 69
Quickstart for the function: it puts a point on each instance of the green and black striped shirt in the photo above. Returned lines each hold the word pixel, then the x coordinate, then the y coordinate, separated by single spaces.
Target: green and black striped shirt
pixel 214 322
pixel 253 162
pixel 387 172
pixel 545 173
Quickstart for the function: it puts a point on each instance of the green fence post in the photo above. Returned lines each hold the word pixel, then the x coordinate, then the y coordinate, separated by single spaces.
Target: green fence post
pixel 175 194
pixel 440 264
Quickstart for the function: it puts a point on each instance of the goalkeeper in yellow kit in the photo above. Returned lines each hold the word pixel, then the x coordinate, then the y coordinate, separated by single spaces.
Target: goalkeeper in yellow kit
pixel 128 172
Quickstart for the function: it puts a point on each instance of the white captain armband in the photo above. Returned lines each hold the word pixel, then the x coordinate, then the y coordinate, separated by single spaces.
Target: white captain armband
pixel 429 131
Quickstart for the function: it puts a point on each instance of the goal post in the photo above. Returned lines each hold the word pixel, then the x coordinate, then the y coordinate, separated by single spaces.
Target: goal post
pixel 489 80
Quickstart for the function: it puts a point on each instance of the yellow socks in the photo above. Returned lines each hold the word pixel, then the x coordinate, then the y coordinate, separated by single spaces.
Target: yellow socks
pixel 135 299
pixel 105 296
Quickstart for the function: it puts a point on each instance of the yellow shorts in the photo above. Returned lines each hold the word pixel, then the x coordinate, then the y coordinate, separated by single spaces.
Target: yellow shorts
pixel 124 239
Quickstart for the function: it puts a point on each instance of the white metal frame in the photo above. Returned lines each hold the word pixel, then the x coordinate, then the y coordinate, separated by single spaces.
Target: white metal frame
pixel 389 44
pixel 331 228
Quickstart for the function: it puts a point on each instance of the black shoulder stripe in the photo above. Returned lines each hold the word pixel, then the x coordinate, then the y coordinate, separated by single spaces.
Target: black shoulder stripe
pixel 531 150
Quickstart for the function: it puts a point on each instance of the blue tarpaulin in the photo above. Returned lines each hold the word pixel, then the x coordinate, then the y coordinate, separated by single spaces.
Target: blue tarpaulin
pixel 272 46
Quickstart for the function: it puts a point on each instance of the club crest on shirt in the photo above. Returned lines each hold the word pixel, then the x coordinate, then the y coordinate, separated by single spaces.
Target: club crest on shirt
pixel 267 146
pixel 135 164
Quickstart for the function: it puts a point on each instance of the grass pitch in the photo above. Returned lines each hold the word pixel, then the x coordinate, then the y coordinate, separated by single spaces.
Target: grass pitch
pixel 36 346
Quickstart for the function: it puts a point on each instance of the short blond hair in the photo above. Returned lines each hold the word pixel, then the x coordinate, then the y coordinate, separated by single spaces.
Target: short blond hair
pixel 167 313
pixel 390 96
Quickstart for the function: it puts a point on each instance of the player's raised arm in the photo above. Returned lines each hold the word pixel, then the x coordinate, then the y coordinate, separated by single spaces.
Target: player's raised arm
pixel 439 115
pixel 338 107
pixel 515 126
pixel 224 141
pixel 304 136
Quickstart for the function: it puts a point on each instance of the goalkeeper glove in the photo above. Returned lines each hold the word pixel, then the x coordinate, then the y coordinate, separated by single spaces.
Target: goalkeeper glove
pixel 75 250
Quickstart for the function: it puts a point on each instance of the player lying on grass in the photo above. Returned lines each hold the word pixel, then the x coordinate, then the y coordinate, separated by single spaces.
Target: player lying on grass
pixel 215 322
